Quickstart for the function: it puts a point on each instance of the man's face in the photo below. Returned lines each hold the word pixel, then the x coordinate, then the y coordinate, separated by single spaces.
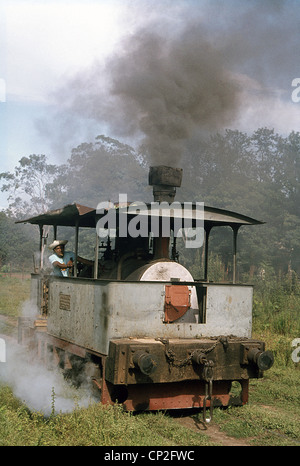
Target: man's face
pixel 59 250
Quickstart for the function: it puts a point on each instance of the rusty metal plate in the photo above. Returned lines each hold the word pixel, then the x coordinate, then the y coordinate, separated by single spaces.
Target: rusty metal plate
pixel 182 395
pixel 177 302
pixel 64 302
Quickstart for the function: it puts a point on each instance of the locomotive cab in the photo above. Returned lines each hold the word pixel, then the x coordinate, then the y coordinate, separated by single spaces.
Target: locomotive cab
pixel 155 337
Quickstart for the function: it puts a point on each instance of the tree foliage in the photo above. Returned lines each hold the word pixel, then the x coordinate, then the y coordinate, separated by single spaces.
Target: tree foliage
pixel 28 187
pixel 17 243
pixel 99 171
pixel 257 175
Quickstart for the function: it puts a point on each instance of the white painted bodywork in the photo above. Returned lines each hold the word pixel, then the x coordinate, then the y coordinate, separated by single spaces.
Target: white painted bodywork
pixel 104 310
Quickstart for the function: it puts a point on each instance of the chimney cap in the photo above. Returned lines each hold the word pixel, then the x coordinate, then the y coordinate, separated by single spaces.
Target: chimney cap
pixel 164 175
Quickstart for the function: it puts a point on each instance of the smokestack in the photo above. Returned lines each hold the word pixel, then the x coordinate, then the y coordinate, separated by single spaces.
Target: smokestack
pixel 165 180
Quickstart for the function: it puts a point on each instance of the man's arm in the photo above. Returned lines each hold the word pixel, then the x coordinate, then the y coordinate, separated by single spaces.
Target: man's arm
pixel 85 261
pixel 63 266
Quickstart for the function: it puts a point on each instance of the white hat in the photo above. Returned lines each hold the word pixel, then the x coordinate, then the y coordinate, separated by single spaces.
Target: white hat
pixel 57 243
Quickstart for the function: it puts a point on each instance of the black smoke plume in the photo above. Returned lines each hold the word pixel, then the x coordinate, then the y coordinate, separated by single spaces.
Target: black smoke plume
pixel 167 89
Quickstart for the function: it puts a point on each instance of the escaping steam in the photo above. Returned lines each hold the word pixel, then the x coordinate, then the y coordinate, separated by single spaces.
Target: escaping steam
pixel 41 389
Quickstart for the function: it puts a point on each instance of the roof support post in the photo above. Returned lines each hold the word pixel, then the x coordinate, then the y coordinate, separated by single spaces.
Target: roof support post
pixel 207 232
pixel 76 247
pixel 235 229
pixel 41 227
pixel 96 255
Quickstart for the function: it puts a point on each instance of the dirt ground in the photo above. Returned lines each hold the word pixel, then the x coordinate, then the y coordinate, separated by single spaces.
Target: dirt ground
pixel 212 431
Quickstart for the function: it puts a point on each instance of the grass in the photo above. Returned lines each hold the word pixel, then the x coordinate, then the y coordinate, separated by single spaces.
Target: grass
pixel 270 418
pixel 13 293
pixel 93 426
pixel 273 413
pixel 276 318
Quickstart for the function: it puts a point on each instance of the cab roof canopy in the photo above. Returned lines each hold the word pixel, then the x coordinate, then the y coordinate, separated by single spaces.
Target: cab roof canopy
pixel 83 216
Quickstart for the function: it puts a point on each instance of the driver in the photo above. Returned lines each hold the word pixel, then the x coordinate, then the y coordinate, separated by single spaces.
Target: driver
pixel 61 260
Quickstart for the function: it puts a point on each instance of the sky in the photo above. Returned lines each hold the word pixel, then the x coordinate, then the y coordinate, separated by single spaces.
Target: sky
pixel 70 70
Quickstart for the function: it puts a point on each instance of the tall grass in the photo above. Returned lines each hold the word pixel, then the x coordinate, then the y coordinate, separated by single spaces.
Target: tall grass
pixel 276 315
pixel 96 425
pixel 13 293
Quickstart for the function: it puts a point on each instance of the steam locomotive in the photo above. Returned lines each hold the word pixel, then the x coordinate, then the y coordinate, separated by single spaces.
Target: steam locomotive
pixel 140 328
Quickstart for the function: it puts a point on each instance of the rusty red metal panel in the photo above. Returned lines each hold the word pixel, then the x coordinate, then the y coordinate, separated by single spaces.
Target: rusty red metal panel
pixel 177 301
pixel 182 395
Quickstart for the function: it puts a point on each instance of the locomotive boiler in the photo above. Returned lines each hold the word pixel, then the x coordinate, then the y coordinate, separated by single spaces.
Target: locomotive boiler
pixel 137 325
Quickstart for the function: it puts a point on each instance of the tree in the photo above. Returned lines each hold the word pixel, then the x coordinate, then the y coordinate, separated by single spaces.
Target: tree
pixel 101 170
pixel 94 172
pixel 289 174
pixel 266 146
pixel 257 175
pixel 17 243
pixel 29 185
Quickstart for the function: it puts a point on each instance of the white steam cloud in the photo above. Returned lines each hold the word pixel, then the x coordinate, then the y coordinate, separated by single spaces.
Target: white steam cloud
pixel 40 388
